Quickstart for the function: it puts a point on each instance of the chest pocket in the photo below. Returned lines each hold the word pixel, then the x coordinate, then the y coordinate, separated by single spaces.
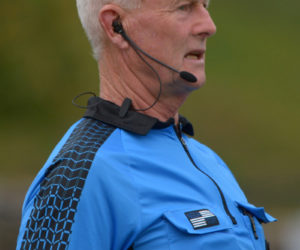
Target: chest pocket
pixel 199 229
pixel 253 217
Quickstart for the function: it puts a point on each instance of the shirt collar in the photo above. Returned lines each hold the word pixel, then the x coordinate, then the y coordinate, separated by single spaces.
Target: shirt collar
pixel 132 121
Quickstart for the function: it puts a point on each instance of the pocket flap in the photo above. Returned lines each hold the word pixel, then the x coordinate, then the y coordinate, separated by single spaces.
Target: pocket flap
pixel 198 221
pixel 258 212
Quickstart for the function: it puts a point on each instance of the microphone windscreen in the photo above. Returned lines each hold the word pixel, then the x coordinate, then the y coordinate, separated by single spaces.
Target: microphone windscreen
pixel 188 76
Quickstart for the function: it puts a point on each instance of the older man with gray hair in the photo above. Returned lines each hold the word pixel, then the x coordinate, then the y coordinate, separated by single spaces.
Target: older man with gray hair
pixel 129 175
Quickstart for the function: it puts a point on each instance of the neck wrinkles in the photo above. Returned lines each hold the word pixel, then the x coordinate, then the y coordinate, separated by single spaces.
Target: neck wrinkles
pixel 119 81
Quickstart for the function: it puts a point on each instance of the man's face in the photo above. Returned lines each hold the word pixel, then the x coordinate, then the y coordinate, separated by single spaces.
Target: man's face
pixel 175 32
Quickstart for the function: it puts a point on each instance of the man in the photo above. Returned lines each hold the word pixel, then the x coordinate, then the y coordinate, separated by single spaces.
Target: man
pixel 128 175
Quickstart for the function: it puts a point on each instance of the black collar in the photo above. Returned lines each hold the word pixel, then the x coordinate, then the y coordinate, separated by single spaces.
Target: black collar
pixel 132 121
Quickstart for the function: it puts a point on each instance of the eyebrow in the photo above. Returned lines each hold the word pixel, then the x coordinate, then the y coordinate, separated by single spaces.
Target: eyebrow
pixel 194 1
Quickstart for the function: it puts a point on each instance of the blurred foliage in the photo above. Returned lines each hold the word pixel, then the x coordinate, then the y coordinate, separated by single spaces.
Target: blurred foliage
pixel 248 111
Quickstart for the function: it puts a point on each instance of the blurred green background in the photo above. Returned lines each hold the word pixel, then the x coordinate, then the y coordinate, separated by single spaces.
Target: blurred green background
pixel 248 111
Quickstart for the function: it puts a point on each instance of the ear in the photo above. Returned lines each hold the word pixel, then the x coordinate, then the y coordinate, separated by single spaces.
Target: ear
pixel 107 15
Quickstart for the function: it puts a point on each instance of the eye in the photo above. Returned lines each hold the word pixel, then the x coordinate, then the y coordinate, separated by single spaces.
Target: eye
pixel 185 7
pixel 205 4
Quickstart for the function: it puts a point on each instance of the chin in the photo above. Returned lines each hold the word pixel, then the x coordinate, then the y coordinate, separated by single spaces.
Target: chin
pixel 201 79
pixel 182 86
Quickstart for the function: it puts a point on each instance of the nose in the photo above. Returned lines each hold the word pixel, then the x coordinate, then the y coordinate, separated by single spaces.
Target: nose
pixel 205 26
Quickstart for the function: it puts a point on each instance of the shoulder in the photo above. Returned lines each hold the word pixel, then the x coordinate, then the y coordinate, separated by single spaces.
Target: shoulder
pixel 82 180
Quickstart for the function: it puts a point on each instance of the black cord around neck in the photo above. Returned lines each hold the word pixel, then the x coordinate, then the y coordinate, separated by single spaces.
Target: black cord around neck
pixel 82 94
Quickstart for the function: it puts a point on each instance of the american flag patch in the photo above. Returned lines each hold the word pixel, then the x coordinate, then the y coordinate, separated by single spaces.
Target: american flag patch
pixel 202 218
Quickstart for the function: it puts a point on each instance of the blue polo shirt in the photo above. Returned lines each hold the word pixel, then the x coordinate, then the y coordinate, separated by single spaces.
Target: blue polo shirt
pixel 125 180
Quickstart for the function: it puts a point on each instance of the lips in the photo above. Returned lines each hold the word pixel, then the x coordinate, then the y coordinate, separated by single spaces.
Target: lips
pixel 195 55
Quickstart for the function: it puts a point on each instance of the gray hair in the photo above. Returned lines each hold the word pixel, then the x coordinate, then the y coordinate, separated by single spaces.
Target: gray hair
pixel 88 11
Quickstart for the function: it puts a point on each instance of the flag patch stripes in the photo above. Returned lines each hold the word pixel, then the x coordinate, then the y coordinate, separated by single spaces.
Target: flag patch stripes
pixel 202 218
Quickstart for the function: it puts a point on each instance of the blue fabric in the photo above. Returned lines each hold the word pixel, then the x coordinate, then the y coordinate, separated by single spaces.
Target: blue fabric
pixel 138 189
pixel 58 194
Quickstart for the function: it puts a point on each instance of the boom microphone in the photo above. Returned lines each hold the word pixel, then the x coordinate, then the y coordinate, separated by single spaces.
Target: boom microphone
pixel 118 28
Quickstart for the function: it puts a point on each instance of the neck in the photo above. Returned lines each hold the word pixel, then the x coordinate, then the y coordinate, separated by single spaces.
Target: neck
pixel 118 81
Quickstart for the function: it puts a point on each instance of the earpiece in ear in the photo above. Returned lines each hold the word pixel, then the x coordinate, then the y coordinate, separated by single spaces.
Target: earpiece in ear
pixel 117 26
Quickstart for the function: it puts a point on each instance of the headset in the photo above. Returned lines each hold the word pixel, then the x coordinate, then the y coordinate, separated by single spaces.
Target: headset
pixel 118 28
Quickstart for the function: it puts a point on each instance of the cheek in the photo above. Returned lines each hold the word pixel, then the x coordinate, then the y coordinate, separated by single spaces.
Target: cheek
pixel 171 43
pixel 176 38
pixel 162 38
